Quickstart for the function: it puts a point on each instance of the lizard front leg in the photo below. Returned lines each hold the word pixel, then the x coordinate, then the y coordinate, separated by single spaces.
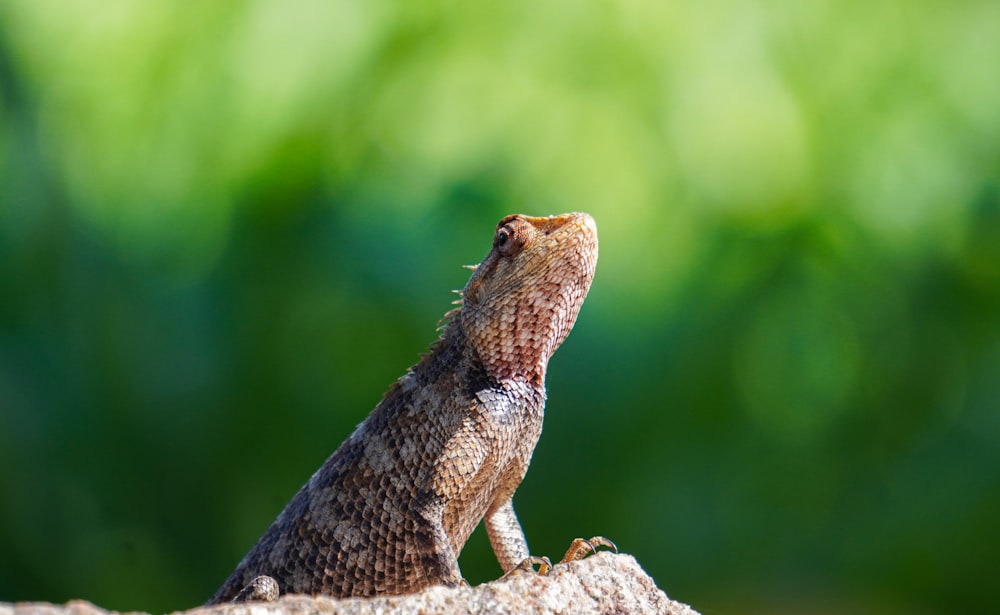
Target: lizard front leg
pixel 511 547
pixel 506 536
pixel 509 543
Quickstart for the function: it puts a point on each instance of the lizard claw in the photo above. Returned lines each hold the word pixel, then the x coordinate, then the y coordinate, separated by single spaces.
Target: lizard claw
pixel 580 548
pixel 528 565
pixel 262 588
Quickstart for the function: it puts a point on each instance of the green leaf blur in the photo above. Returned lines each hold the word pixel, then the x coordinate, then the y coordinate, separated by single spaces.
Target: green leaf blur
pixel 226 228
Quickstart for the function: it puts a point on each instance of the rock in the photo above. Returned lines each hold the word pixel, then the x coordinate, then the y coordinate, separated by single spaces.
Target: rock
pixel 603 583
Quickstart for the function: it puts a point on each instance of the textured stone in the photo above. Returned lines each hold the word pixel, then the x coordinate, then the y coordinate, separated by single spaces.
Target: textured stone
pixel 604 583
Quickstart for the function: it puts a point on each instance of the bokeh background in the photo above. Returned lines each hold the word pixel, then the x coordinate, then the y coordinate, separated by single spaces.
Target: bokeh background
pixel 227 227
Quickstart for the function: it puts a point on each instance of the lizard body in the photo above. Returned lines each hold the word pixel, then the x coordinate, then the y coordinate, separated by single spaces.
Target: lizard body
pixel 391 509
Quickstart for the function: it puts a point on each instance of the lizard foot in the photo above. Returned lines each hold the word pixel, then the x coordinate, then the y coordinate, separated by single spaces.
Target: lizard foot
pixel 528 565
pixel 260 589
pixel 580 548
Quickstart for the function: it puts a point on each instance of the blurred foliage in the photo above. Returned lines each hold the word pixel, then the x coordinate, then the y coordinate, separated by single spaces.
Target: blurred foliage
pixel 226 228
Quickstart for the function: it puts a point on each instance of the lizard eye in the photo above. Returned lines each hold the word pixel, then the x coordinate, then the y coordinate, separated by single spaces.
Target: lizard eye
pixel 506 240
pixel 503 235
pixel 510 238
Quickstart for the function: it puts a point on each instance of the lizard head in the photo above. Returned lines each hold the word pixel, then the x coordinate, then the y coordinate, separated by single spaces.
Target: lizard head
pixel 522 300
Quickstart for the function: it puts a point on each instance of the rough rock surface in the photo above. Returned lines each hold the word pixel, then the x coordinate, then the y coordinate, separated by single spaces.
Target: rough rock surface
pixel 603 583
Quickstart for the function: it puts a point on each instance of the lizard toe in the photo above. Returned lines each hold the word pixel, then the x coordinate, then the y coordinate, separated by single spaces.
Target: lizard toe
pixel 581 548
pixel 260 589
pixel 528 565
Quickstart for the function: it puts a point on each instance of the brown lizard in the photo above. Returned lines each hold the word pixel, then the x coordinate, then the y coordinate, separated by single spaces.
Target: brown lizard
pixel 391 509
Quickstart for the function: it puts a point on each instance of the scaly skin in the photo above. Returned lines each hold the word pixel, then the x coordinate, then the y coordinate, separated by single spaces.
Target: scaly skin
pixel 391 509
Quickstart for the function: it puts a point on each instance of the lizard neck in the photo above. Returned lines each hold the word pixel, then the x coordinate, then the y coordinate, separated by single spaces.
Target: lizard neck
pixel 508 351
pixel 475 366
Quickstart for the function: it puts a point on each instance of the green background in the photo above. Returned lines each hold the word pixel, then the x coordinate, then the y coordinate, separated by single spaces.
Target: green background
pixel 227 227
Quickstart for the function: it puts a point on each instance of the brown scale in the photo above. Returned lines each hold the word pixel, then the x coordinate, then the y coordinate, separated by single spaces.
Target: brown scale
pixel 391 509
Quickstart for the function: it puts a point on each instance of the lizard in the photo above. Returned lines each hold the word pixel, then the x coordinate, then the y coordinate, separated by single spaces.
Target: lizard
pixel 450 441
